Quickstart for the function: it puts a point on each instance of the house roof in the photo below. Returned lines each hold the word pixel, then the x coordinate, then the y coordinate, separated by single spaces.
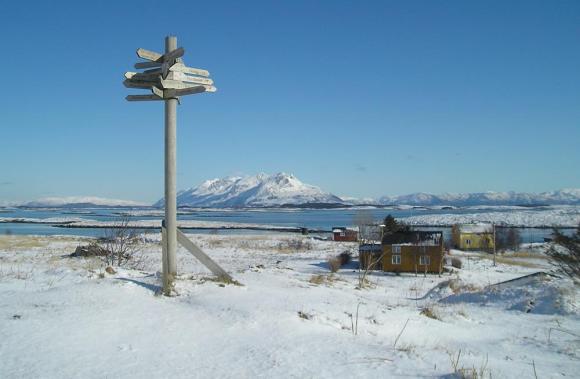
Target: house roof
pixel 419 238
pixel 476 228
pixel 340 229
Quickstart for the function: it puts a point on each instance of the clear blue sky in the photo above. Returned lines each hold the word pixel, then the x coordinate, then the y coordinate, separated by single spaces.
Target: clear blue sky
pixel 363 98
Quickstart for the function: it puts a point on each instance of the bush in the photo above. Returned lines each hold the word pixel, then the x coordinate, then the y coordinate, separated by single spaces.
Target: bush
pixel 295 244
pixel 345 258
pixel 456 262
pixel 90 250
pixel 335 263
pixel 430 312
pixel 565 253
pixel 120 242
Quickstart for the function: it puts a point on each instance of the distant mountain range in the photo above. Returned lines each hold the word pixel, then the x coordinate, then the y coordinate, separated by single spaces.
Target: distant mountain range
pixel 77 202
pixel 563 196
pixel 285 190
pixel 260 190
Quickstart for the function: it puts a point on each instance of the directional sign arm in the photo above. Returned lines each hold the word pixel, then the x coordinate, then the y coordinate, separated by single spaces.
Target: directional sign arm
pixel 143 98
pixel 149 55
pixel 137 84
pixel 174 54
pixel 180 67
pixel 147 64
pixel 188 78
pixel 190 91
pixel 137 76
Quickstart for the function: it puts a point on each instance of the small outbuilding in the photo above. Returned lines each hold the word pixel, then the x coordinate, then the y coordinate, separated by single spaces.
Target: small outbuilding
pixel 341 233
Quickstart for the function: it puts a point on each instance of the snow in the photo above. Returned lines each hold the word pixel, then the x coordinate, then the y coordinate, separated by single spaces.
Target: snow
pixel 252 191
pixel 144 224
pixel 60 318
pixel 565 216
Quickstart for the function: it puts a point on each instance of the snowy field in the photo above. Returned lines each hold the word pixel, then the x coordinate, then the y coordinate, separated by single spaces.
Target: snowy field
pixel 66 317
pixel 561 216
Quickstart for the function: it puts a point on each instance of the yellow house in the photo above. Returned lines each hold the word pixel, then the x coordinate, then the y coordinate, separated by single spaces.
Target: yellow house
pixel 473 236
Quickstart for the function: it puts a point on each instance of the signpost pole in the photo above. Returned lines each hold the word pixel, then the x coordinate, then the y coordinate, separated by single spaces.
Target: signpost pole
pixel 168 81
pixel 170 181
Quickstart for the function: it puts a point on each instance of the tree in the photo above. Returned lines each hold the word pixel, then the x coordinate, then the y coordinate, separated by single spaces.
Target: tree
pixel 393 226
pixel 507 239
pixel 513 239
pixel 565 253
pixel 456 235
pixel 486 242
pixel 364 220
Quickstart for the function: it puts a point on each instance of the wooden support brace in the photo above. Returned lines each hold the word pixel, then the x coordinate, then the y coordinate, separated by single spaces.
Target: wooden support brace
pixel 203 257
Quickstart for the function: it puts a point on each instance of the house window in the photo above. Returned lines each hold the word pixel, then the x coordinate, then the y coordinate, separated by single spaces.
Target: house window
pixel 468 242
pixel 396 259
pixel 396 249
pixel 342 234
pixel 424 260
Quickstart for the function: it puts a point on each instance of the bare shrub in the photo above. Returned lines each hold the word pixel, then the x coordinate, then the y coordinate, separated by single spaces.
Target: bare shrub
pixel 213 243
pixel 121 243
pixel 369 265
pixel 469 373
pixel 335 263
pixel 93 249
pixel 322 279
pixel 456 262
pixel 430 312
pixel 565 254
pixel 317 279
pixel 457 286
pixel 295 244
pixel 17 272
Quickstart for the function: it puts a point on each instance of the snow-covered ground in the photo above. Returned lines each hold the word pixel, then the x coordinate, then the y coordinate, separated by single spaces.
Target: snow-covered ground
pixel 563 216
pixel 145 224
pixel 66 317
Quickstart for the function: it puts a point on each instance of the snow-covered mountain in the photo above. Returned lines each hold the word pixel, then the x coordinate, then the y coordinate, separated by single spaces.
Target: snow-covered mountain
pixel 563 196
pixel 260 190
pixel 77 202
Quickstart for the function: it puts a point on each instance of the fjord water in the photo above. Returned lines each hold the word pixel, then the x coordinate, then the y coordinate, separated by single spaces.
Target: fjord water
pixel 317 219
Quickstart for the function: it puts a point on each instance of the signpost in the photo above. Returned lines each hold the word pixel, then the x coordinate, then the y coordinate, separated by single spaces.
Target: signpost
pixel 169 79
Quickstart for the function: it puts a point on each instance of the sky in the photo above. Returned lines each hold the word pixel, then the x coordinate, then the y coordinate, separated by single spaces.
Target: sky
pixel 361 98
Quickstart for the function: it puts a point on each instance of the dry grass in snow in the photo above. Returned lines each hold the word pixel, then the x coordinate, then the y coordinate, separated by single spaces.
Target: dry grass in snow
pixel 291 317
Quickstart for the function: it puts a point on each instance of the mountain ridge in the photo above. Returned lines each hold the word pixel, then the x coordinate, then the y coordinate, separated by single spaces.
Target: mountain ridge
pixel 261 190
pixel 286 190
pixel 566 196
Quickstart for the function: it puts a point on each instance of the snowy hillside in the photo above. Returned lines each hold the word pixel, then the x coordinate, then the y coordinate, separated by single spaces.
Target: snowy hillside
pixel 563 196
pixel 78 201
pixel 253 191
